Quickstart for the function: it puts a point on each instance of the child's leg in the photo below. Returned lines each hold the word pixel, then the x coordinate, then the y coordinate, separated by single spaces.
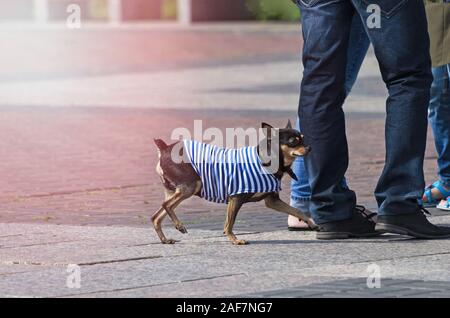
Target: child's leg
pixel 439 116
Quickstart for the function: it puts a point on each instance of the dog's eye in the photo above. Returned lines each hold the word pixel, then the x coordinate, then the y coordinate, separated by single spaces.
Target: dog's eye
pixel 294 141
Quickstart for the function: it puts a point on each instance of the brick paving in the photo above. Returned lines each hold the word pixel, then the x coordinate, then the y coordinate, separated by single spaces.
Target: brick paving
pixel 97 166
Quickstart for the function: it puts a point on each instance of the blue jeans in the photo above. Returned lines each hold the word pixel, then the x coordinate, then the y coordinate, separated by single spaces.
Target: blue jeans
pixel 357 49
pixel 401 46
pixel 439 115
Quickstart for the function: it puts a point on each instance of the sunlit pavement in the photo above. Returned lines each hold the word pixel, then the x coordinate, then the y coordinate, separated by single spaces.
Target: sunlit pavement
pixel 79 111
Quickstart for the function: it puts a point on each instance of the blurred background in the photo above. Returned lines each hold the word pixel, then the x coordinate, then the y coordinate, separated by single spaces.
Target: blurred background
pixel 145 10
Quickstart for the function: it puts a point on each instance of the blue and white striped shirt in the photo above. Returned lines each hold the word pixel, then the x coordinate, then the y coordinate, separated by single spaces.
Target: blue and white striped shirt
pixel 226 172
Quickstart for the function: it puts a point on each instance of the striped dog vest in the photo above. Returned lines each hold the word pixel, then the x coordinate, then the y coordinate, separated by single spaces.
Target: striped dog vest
pixel 226 172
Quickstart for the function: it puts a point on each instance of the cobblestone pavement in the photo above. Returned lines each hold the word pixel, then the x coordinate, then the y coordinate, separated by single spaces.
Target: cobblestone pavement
pixel 78 114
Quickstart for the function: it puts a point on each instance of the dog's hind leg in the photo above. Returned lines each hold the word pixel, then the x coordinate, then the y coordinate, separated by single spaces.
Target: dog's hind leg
pixel 168 193
pixel 181 193
pixel 169 207
pixel 172 200
pixel 158 217
pixel 234 204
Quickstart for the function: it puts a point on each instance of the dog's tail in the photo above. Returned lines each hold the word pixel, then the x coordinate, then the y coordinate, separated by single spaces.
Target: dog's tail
pixel 160 144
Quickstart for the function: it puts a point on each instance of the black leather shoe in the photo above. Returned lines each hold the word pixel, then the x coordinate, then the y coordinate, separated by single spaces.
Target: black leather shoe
pixel 415 225
pixel 359 225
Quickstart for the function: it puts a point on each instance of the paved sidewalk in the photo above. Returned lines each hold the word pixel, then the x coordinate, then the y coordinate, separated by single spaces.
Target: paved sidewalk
pixel 78 113
pixel 130 262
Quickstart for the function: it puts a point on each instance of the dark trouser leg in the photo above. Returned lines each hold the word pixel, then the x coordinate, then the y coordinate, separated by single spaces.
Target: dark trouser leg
pixel 326 29
pixel 401 46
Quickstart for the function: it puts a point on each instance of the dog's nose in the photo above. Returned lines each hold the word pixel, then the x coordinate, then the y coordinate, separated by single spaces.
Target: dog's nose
pixel 308 148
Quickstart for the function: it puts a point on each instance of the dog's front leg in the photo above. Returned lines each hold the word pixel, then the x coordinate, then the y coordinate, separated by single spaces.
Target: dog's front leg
pixel 234 204
pixel 274 202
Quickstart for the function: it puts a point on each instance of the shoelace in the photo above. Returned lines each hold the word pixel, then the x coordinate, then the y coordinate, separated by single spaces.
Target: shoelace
pixel 424 211
pixel 362 210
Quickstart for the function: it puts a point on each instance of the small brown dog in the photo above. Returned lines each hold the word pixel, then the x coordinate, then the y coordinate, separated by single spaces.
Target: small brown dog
pixel 235 184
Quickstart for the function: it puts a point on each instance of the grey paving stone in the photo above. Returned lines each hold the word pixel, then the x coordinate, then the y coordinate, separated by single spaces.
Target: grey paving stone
pixel 353 288
pixel 130 262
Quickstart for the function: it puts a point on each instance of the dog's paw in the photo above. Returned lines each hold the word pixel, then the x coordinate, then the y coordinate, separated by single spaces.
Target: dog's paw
pixel 180 227
pixel 169 241
pixel 240 242
pixel 312 225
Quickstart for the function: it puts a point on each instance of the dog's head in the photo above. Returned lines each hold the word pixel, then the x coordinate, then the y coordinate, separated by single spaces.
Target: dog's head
pixel 290 146
pixel 291 141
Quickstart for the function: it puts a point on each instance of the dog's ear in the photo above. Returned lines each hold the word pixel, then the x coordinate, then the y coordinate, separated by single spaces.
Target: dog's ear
pixel 289 125
pixel 267 129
